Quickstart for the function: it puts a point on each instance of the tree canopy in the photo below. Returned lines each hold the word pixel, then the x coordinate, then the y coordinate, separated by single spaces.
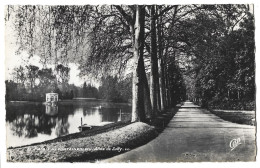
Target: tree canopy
pixel 170 50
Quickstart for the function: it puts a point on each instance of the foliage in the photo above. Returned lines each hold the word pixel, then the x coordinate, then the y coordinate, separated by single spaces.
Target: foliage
pixel 223 50
pixel 227 104
pixel 176 84
pixel 89 91
pixel 32 83
pixel 114 89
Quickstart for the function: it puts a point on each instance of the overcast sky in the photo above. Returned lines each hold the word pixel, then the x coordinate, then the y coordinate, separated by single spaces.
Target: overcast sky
pixel 12 60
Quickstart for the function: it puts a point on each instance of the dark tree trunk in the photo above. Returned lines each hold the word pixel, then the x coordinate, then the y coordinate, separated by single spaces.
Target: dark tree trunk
pixel 162 85
pixel 146 91
pixel 154 80
pixel 161 66
pixel 147 100
pixel 168 94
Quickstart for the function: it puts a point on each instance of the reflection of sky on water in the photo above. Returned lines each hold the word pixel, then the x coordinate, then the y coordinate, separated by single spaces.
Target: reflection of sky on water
pixel 29 123
pixel 12 140
pixel 89 117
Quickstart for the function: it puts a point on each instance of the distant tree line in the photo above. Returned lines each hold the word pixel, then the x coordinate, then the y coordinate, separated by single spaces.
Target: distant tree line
pixel 31 83
pixel 89 91
pixel 114 89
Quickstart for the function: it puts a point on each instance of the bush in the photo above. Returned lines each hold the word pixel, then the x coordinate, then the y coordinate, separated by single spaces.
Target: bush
pixel 227 104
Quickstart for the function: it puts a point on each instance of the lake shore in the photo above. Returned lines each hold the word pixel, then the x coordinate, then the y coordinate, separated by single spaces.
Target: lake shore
pixel 92 146
pixel 71 101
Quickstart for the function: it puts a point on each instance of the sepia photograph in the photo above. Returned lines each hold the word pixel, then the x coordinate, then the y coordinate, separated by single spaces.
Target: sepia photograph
pixel 130 83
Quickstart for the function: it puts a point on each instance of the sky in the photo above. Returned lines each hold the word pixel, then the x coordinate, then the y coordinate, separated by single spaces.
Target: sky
pixel 13 60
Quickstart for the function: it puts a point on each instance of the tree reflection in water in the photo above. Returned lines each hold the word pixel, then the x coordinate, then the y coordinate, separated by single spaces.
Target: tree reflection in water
pixel 51 110
pixel 30 120
pixel 62 127
pixel 109 114
pixel 30 123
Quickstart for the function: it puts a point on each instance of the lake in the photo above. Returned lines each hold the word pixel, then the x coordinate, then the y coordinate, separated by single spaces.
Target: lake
pixel 29 122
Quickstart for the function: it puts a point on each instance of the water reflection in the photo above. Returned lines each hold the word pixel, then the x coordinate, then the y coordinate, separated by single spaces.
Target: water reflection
pixel 62 127
pixel 51 109
pixel 36 122
pixel 110 114
pixel 29 125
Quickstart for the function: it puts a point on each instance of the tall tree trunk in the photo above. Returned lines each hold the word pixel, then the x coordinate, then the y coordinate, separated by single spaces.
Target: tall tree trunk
pixel 138 112
pixel 146 91
pixel 147 100
pixel 161 65
pixel 154 82
pixel 162 85
pixel 165 69
pixel 168 94
pixel 158 89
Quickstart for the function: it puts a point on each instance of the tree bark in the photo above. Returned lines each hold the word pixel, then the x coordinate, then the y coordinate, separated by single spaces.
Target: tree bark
pixel 162 85
pixel 138 111
pixel 140 103
pixel 168 94
pixel 161 65
pixel 147 100
pixel 146 91
pixel 154 64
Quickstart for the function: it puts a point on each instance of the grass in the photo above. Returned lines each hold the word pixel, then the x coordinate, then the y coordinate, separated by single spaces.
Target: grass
pixel 236 117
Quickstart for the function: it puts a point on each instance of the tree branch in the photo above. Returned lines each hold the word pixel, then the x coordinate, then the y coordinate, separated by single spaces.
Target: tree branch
pixel 237 22
pixel 127 17
pixel 165 10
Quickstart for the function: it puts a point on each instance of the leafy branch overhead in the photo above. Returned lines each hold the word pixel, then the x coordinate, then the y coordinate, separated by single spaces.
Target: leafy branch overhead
pixel 171 51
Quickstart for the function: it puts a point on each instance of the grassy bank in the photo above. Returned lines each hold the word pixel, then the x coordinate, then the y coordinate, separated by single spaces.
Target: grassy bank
pixel 235 116
pixel 236 111
pixel 93 145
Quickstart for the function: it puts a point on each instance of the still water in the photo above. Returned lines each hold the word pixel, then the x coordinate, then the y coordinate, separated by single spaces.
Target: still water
pixel 29 122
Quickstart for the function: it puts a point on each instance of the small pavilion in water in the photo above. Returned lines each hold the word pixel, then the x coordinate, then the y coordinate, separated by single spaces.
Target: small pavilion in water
pixel 52 97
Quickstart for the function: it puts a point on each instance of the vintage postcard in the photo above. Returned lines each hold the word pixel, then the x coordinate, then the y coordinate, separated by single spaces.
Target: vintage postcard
pixel 120 83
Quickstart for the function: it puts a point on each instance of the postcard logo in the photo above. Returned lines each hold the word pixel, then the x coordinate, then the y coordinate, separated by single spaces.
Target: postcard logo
pixel 234 143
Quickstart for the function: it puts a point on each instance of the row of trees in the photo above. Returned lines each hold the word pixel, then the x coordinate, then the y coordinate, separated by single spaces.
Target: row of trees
pixel 139 38
pixel 105 39
pixel 223 66
pixel 155 42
